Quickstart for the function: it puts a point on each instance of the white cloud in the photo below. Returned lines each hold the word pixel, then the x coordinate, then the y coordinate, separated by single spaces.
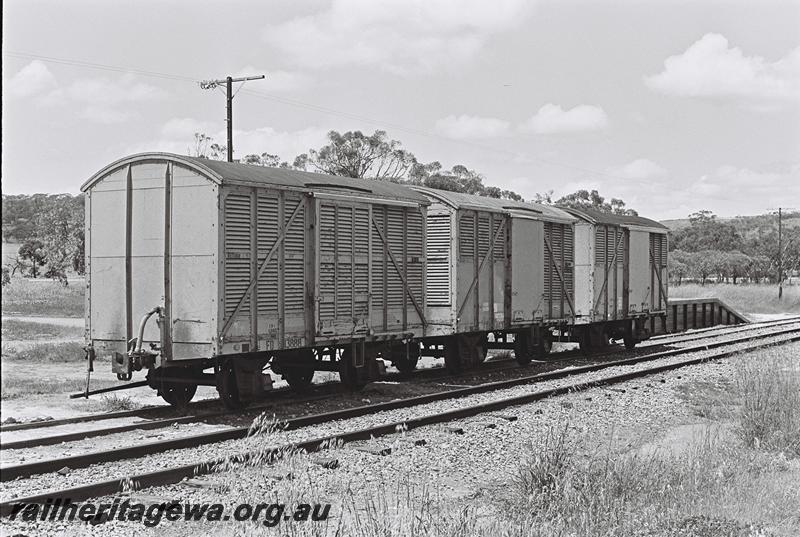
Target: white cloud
pixel 551 118
pixel 109 92
pixel 276 81
pixel 31 80
pixel 639 169
pixel 711 68
pixel 466 127
pixel 103 100
pixel 398 36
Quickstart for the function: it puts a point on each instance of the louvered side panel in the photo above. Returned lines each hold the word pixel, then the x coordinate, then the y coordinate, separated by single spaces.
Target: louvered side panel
pixel 599 244
pixel 499 246
pixel 327 262
pixel 559 290
pixel 568 234
pixel 294 266
pixel 466 235
pixel 484 236
pixel 344 261
pixel 415 252
pixel 438 248
pixel 237 238
pixel 395 236
pixel 267 220
pixel 380 264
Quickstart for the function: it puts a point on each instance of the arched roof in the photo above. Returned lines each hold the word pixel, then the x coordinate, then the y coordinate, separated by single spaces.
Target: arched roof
pixel 458 200
pixel 594 216
pixel 237 173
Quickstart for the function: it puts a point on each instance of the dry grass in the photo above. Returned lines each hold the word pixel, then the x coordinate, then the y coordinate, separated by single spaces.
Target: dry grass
pixel 750 298
pixel 115 403
pixel 43 297
pixel 15 387
pixel 768 391
pixel 67 351
pixel 26 330
pixel 714 487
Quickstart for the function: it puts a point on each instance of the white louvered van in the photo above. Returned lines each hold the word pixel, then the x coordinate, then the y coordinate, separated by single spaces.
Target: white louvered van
pixel 192 260
pixel 621 276
pixel 494 266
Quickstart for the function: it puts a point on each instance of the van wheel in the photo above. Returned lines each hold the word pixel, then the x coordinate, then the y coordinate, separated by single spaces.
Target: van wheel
pixel 299 379
pixel 176 393
pixel 405 362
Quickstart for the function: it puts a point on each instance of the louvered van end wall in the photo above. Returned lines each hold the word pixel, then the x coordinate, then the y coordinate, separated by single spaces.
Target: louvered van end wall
pixel 151 240
pixel 330 268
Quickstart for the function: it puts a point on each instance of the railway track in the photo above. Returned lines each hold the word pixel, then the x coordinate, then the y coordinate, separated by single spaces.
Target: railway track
pixel 326 390
pixel 176 473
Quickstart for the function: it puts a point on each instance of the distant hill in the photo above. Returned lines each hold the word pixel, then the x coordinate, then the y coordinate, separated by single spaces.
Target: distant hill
pixel 746 225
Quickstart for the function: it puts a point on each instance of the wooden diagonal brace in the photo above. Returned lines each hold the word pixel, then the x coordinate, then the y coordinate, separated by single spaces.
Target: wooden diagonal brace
pixel 281 237
pixel 400 273
pixel 480 267
pixel 560 276
pixel 608 270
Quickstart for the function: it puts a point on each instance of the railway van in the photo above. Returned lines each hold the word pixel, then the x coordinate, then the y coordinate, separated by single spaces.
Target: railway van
pixel 495 268
pixel 620 277
pixel 195 265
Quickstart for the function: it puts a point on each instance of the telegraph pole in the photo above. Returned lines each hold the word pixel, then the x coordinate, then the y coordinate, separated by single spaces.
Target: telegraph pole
pixel 780 249
pixel 228 81
pixel 780 255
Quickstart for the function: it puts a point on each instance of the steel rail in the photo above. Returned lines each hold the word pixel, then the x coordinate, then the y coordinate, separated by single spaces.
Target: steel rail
pixel 433 372
pixel 491 366
pixel 18 471
pixel 176 474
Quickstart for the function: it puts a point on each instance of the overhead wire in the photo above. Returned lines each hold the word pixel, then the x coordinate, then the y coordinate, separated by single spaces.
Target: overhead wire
pixel 309 106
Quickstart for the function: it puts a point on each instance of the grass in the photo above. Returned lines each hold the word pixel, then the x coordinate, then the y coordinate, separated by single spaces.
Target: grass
pixel 115 403
pixel 43 297
pixel 768 414
pixel 68 351
pixel 713 487
pixel 737 475
pixel 747 298
pixel 26 330
pixel 15 387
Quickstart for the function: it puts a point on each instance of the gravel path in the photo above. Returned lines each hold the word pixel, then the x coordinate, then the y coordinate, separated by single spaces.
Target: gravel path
pixel 75 322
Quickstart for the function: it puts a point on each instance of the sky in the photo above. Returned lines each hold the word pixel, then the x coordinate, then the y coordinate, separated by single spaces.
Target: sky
pixel 672 106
